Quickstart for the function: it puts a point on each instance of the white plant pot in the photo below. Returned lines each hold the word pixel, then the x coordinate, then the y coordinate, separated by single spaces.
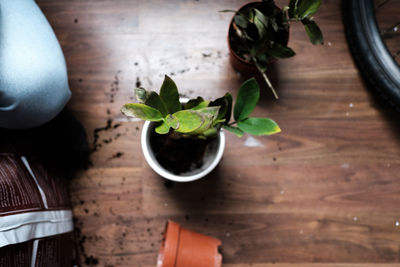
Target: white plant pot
pixel 212 157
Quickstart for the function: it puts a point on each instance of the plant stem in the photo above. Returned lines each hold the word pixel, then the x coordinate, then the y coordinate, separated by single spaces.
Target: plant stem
pixel 265 78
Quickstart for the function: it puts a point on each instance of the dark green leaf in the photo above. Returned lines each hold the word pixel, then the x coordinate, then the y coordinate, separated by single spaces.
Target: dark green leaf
pixel 241 34
pixel 261 23
pixel 292 8
pixel 280 51
pixel 313 32
pixel 222 103
pixel 234 130
pixel 228 113
pixel 201 105
pixel 273 23
pixel 249 15
pixel 247 98
pixel 141 94
pixel 241 21
pixel 228 10
pixel 155 101
pixel 261 17
pixel 163 128
pixel 307 8
pixel 169 94
pixel 193 102
pixel 262 61
pixel 259 126
pixel 142 111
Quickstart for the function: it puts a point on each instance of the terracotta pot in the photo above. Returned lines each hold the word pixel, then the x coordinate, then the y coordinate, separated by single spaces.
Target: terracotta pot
pixel 238 63
pixel 184 248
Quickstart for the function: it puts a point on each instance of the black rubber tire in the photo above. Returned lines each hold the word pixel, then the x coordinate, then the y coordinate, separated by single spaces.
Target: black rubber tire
pixel 377 66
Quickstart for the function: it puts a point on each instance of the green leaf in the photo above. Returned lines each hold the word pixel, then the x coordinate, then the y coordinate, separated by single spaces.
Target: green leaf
pixel 172 121
pixel 193 102
pixel 225 104
pixel 247 98
pixel 141 111
pixel 261 17
pixel 163 128
pixel 141 94
pixel 169 94
pixel 259 126
pixel 218 121
pixel 292 8
pixel 280 51
pixel 207 124
pixel 228 113
pixel 307 8
pixel 212 111
pixel 262 61
pixel 201 105
pixel 222 103
pixel 189 120
pixel 155 101
pixel 261 23
pixel 249 15
pixel 241 21
pixel 234 130
pixel 228 10
pixel 210 132
pixel 313 32
pixel 274 24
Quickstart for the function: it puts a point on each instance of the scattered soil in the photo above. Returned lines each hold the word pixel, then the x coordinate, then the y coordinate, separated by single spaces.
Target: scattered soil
pixel 96 144
pixel 116 155
pixel 81 239
pixel 178 154
pixel 114 87
pixel 138 83
pixel 91 261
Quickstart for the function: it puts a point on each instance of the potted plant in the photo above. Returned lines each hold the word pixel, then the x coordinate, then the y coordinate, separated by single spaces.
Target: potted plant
pixel 259 33
pixel 182 140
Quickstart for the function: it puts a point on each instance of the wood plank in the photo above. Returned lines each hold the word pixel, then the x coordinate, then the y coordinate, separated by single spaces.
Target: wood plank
pixel 324 192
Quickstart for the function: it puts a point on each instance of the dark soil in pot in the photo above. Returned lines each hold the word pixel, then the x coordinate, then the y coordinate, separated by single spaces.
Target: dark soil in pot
pixel 179 154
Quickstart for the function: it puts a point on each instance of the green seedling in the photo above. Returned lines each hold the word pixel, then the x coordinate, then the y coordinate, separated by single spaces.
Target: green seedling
pixel 198 117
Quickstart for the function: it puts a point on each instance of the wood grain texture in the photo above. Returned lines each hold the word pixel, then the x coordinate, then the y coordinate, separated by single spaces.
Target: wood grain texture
pixel 324 192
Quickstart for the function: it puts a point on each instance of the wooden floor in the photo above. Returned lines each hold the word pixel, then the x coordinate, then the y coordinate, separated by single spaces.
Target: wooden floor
pixel 325 191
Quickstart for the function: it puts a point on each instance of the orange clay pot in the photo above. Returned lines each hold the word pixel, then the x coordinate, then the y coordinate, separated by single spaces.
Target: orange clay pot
pixel 184 248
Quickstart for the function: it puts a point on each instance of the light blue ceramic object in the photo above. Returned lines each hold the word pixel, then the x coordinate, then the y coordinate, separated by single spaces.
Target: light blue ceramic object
pixel 33 75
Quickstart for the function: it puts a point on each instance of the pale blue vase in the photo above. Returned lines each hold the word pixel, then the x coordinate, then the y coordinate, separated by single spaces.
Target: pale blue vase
pixel 33 74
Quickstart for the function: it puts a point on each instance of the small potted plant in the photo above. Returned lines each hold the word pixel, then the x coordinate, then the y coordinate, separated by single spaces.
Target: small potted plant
pixel 259 33
pixel 182 140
